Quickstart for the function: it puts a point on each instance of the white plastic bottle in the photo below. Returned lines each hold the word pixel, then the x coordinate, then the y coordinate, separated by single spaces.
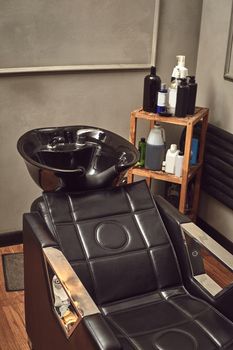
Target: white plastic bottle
pixel 179 72
pixel 171 155
pixel 172 93
pixel 180 68
pixel 179 164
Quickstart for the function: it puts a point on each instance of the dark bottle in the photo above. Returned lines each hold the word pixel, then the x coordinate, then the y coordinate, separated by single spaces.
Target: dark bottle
pixel 182 99
pixel 192 94
pixel 152 84
pixel 142 151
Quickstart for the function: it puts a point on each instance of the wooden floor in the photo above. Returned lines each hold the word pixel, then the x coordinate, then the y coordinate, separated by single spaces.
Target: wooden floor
pixel 12 326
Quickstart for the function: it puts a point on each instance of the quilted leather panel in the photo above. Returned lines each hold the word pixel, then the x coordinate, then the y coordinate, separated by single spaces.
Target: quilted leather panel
pixel 117 244
pixel 115 234
pixel 122 223
pixel 82 210
pixel 171 324
pixel 125 275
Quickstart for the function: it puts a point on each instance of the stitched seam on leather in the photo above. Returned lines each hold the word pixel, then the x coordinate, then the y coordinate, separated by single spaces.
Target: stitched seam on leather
pixel 131 341
pixel 154 330
pixel 226 346
pixel 159 329
pixel 131 299
pixel 135 307
pixel 204 330
pixel 53 222
pixel 82 246
pixel 169 240
pixel 119 254
pixel 106 216
pixel 154 269
pixel 95 334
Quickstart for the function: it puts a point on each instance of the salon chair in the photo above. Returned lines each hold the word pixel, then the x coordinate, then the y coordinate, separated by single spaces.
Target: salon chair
pixel 122 260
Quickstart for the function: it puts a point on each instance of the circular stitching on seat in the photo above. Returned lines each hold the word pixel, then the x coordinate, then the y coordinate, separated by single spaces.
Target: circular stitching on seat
pixel 111 235
pixel 183 333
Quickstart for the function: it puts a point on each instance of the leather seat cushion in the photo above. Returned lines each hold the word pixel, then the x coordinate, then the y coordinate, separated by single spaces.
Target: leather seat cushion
pixel 170 320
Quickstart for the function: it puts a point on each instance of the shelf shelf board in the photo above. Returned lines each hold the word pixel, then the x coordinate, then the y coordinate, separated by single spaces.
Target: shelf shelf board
pixel 158 175
pixel 189 119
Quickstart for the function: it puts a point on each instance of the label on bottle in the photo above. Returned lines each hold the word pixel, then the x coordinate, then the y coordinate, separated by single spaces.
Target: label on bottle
pixel 162 99
pixel 172 97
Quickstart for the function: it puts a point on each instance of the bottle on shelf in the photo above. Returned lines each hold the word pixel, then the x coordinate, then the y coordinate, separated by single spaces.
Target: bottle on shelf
pixel 162 99
pixel 172 93
pixel 142 152
pixel 180 68
pixel 179 164
pixel 155 148
pixel 171 155
pixel 182 99
pixel 192 94
pixel 152 84
pixel 194 151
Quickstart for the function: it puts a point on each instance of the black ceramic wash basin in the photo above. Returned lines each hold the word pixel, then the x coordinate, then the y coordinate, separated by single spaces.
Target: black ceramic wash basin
pixel 76 157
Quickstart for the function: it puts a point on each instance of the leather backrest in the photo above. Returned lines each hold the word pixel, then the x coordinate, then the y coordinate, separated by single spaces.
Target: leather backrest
pixel 115 240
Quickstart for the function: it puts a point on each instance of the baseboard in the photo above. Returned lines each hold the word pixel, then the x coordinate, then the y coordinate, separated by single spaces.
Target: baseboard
pixel 217 236
pixel 11 238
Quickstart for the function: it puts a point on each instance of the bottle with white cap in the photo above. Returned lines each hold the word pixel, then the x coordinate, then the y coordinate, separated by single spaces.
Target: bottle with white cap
pixel 179 72
pixel 171 156
pixel 180 68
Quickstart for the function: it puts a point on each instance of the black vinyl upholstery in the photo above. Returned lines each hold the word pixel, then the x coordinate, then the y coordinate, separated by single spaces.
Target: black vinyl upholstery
pixel 118 245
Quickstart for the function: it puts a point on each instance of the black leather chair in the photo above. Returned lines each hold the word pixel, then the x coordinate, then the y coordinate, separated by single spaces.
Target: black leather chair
pixel 138 296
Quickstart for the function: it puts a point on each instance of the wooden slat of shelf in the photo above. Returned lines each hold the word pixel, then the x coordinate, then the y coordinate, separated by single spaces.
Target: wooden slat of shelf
pixel 158 175
pixel 200 113
pixel 193 170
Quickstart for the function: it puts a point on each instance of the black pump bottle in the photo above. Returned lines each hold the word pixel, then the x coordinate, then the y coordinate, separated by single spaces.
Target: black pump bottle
pixel 182 99
pixel 152 84
pixel 192 94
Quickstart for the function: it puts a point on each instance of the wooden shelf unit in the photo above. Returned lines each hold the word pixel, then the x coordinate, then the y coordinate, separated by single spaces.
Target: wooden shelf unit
pixel 188 172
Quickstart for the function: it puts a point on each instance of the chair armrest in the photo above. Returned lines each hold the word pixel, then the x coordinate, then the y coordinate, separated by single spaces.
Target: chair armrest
pixel 101 332
pixel 78 295
pixel 173 221
pixel 208 243
pixel 42 260
pixel 220 293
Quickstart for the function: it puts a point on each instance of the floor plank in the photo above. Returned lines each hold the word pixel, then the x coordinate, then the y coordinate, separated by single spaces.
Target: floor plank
pixel 12 325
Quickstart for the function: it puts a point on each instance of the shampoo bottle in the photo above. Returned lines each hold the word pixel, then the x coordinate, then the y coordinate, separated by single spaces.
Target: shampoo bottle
pixel 182 99
pixel 192 94
pixel 162 99
pixel 171 155
pixel 180 68
pixel 172 93
pixel 152 84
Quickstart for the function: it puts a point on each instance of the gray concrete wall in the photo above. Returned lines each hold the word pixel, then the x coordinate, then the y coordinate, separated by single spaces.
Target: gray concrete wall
pixel 101 99
pixel 216 93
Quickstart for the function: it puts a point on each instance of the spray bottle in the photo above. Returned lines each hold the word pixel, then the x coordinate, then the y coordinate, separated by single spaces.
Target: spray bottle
pixel 180 68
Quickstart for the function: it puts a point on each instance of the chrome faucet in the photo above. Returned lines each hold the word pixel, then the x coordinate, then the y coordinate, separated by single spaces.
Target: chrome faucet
pixel 94 133
pixel 57 140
